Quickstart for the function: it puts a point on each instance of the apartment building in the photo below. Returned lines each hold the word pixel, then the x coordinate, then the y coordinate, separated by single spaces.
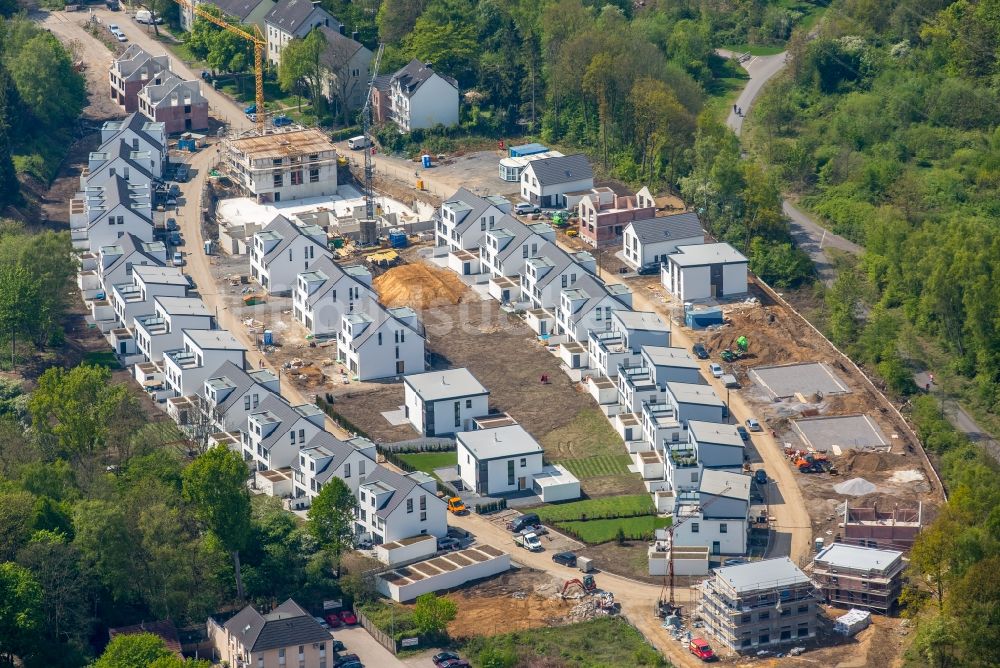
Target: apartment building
pixel 276 431
pixel 327 292
pixel 230 394
pixel 131 71
pixel 421 98
pixel 286 637
pixel 604 214
pixel 283 250
pixel 589 305
pixel 294 19
pixel 283 166
pixel 851 576
pixel 163 328
pixel 185 369
pixel 135 297
pixel 392 506
pixel 465 218
pixel 324 457
pixel 550 272
pixel 381 342
pixel 176 103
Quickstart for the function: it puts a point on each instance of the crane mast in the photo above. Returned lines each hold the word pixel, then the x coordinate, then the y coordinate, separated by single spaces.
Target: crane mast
pixel 366 124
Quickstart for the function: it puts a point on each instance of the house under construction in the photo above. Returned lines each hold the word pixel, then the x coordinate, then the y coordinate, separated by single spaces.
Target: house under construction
pixel 894 529
pixel 860 577
pixel 283 165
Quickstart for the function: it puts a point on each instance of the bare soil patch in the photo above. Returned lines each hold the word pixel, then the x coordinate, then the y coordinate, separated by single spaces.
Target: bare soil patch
pixel 419 286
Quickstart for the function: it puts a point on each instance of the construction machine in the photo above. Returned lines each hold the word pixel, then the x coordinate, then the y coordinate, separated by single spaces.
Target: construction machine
pixel 742 346
pixel 253 35
pixel 587 585
pixel 811 462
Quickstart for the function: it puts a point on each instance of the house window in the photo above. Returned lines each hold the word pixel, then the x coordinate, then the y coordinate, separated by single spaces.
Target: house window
pixel 296 178
pixel 458 413
pixel 347 470
pixel 524 251
pixel 695 527
pixel 278 181
pixel 361 467
pixel 313 176
pixel 281 656
pixel 468 403
pixel 565 280
pixel 764 616
pixel 510 471
pixel 246 402
pixel 524 462
pixel 423 517
pixel 380 338
pixel 423 503
pixel 292 434
pixel 723 528
pixel 409 505
pixel 302 435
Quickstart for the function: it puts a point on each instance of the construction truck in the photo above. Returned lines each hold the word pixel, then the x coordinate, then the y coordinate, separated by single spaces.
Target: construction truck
pixel 529 541
pixel 812 462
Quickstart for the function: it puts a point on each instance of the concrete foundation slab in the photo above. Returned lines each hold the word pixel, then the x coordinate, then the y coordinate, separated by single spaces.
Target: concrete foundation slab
pixel 790 379
pixel 841 433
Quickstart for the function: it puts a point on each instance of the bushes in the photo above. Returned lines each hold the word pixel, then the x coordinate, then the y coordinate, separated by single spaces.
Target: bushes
pixel 492 507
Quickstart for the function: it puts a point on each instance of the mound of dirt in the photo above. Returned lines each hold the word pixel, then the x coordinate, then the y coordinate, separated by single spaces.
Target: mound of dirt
pixel 419 286
pixel 865 462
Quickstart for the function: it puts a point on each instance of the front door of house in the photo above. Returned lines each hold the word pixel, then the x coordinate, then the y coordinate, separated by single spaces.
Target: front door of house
pixel 522 483
pixel 716 547
pixel 400 366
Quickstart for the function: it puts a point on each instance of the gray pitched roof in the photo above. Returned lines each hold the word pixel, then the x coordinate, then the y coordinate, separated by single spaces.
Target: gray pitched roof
pixel 415 74
pixel 400 484
pixel 595 290
pixel 331 453
pixel 561 169
pixel 477 205
pixel 285 626
pixel 120 149
pixel 135 122
pixel 118 192
pixel 560 260
pixel 288 231
pixel 130 245
pixel 383 82
pixel 339 49
pixel 240 9
pixel 519 234
pixel 289 15
pixel 667 228
pixel 333 273
pixel 282 410
pixel 239 378
pixel 378 316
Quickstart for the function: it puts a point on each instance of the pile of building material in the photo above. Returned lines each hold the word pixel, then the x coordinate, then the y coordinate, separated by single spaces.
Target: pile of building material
pixel 418 286
pixel 855 487
pixel 855 620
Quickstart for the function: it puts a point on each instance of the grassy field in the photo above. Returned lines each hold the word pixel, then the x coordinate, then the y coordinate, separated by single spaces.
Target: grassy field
pixel 610 506
pixel 105 358
pixel 428 461
pixel 597 643
pixel 754 49
pixel 601 465
pixel 589 434
pixel 602 531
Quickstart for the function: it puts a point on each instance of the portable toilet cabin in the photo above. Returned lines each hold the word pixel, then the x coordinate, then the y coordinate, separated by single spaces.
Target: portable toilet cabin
pixel 397 238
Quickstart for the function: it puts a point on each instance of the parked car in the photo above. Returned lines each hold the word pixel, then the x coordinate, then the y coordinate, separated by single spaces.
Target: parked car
pixel 172 225
pixel 178 259
pixel 333 621
pixel 341 661
pixel 182 173
pixel 456 506
pixel 441 657
pixel 348 617
pixel 321 622
pixel 281 121
pixel 744 434
pixel 649 269
pixel 716 369
pixel 523 208
pixel 702 649
pixel 445 544
pixel 120 36
pixel 753 425
pixel 112 5
pixel 760 476
pixel 252 109
pixel 565 558
pixel 700 351
pixel 523 521
pixel 176 239
pixel 113 28
pixel 457 663
pixel 337 645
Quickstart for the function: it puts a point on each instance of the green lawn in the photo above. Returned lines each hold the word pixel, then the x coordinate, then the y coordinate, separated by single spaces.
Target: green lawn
pixel 428 461
pixel 104 358
pixel 754 49
pixel 601 465
pixel 602 531
pixel 597 643
pixel 609 506
pixel 589 434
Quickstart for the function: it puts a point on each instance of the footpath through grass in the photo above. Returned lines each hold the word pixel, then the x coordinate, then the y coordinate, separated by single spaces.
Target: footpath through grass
pixel 598 643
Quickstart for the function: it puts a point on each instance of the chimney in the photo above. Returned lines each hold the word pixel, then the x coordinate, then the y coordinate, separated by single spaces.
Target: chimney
pixel 341 28
pixel 354 35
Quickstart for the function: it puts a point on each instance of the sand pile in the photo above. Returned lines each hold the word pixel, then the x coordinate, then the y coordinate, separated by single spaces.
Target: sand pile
pixel 418 286
pixel 865 462
pixel 855 487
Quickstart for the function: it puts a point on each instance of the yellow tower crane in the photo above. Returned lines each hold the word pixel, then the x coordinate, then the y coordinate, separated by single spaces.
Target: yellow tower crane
pixel 259 44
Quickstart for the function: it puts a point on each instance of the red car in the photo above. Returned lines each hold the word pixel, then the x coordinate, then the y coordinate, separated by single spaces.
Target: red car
pixel 348 618
pixel 701 649
pixel 333 620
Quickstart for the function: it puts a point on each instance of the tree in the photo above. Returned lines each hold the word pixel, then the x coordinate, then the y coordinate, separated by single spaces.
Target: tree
pixel 18 300
pixel 55 564
pixel 133 650
pixel 396 18
pixel 223 50
pixel 331 517
pixel 445 36
pixel 10 187
pixel 73 412
pixel 432 613
pixel 16 515
pixel 46 81
pixel 215 483
pixel 300 63
pixel 20 612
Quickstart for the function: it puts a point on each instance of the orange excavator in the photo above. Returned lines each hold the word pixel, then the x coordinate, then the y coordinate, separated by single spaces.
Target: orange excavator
pixel 812 462
pixel 588 585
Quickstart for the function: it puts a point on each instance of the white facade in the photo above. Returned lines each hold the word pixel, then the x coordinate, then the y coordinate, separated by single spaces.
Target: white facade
pixel 653 240
pixel 696 402
pixel 589 305
pixel 381 344
pixel 163 329
pixel 498 460
pixel 101 215
pixel 231 394
pixel 283 250
pixel 545 182
pixel 135 297
pixel 444 402
pixel 552 271
pixel 420 98
pixel 276 431
pixel 506 248
pixel 671 365
pixel 288 20
pixel 283 166
pixel 393 506
pixel 704 272
pixel 115 261
pixel 635 386
pixel 465 219
pixel 327 292
pixel 202 352
pixel 325 457
pixel 141 135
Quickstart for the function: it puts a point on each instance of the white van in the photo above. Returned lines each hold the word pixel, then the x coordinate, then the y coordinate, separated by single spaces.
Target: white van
pixel 361 141
pixel 143 16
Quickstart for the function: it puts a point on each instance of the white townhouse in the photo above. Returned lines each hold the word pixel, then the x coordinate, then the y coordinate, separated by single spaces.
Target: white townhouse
pixel 327 292
pixel 509 244
pixel 671 365
pixel 201 353
pixel 438 403
pixel 651 240
pixel 118 158
pixel 705 271
pixel 163 329
pixel 660 427
pixel 283 250
pixel 393 506
pixel 101 215
pixel 498 460
pixel 420 98
pixel 142 135
pixel 547 181
pixel 276 431
pixel 589 305
pixel 116 261
pixel 696 402
pixel 231 393
pixel 381 342
pixel 135 297
pixel 635 386
pixel 717 514
pixel 465 218
pixel 719 446
pixel 324 457
pixel 550 272
pixel 291 19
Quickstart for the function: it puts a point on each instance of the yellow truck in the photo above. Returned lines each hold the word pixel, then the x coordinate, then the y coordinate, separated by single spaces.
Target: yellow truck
pixel 456 506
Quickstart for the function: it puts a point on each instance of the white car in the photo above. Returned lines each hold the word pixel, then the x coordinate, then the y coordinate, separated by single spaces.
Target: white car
pixel 120 36
pixel 178 259
pixel 716 369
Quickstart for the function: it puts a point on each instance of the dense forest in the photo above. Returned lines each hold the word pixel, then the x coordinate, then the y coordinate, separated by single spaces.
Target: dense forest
pixel 886 126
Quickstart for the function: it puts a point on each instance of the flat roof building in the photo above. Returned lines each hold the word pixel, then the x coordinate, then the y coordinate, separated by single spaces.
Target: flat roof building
pixel 860 577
